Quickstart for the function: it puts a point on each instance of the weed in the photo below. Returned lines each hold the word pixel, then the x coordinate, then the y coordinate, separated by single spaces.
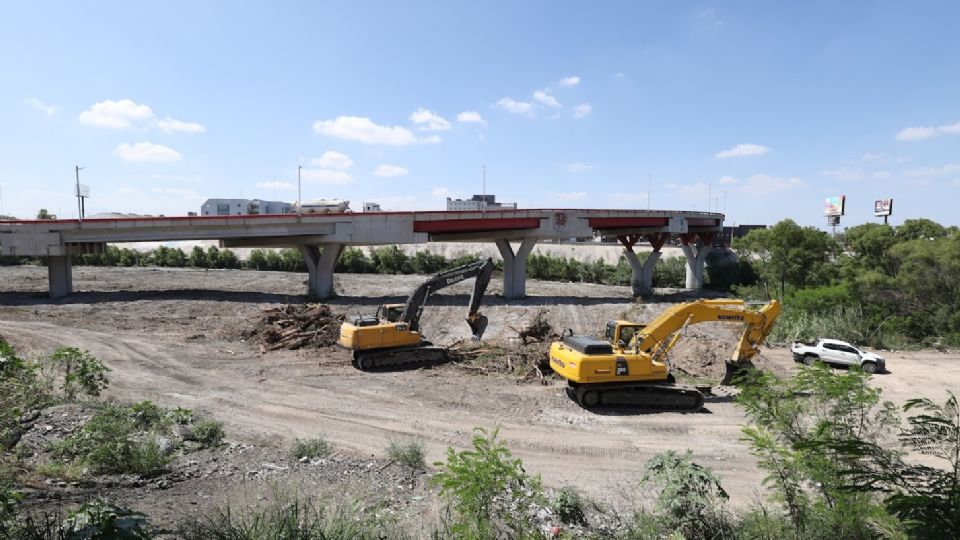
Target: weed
pixel 209 433
pixel 689 502
pixel 318 447
pixel 292 517
pixel 569 506
pixel 409 453
pixel 82 371
pixel 149 416
pixel 489 489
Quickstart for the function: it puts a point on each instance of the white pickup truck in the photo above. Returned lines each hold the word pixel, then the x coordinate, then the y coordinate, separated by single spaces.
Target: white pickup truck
pixel 832 351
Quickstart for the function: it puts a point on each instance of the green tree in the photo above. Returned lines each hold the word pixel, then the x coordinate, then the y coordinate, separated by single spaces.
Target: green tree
pixel 920 229
pixel 787 255
pixel 197 258
pixel 43 214
pixel 871 243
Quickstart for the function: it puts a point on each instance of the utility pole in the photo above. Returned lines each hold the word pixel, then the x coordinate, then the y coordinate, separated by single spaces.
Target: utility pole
pixel 709 195
pixel 483 204
pixel 299 202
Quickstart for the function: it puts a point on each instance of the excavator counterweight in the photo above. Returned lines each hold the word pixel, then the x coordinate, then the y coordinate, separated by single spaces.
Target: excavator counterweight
pixel 632 369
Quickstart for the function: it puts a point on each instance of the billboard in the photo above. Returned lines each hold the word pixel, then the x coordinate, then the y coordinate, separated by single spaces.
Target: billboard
pixel 883 207
pixel 835 206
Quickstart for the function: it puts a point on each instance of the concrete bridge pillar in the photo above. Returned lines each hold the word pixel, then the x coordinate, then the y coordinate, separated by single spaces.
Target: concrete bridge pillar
pixel 60 275
pixel 696 247
pixel 515 267
pixel 320 268
pixel 641 280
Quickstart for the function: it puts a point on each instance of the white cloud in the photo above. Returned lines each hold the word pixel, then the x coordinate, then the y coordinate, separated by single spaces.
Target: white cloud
pixel 845 173
pixel 390 170
pixel 870 158
pixel 427 120
pixel 619 75
pixel 579 167
pixel 743 150
pixel 326 176
pixel 572 196
pixel 582 110
pixel 275 185
pixel 710 17
pixel 357 128
pixel 956 182
pixel 516 107
pixel 48 110
pixel 728 180
pixel 927 132
pixel 115 114
pixel 544 97
pixel 570 81
pixel 882 175
pixel 441 193
pixel 470 117
pixel 143 152
pixel 128 191
pixel 171 125
pixel 765 183
pixel 333 160
pixel 949 168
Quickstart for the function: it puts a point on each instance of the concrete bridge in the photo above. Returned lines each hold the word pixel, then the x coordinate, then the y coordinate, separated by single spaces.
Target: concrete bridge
pixel 322 237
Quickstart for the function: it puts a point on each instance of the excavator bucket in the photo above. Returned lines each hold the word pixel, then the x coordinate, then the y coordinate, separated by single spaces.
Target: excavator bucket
pixel 478 324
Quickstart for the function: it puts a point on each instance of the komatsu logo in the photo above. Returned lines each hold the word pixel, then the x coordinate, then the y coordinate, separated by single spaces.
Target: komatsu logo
pixel 730 317
pixel 557 361
pixel 452 280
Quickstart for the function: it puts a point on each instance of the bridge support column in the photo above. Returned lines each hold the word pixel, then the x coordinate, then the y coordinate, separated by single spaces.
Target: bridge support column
pixel 60 275
pixel 641 280
pixel 515 267
pixel 320 268
pixel 696 247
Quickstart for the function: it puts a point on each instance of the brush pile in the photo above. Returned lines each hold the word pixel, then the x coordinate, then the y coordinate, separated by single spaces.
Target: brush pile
pixel 528 360
pixel 296 326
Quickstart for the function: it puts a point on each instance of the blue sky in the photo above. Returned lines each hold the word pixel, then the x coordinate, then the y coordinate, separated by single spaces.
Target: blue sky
pixel 772 106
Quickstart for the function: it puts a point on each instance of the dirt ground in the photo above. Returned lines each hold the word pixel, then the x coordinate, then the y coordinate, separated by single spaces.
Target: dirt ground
pixel 172 336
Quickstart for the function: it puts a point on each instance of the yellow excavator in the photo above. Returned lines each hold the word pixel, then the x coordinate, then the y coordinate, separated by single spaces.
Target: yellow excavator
pixel 630 367
pixel 392 337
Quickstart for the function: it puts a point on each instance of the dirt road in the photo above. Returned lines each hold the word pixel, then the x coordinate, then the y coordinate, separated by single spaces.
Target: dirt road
pixel 172 336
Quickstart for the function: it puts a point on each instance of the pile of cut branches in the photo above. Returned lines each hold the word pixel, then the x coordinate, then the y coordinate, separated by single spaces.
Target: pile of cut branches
pixel 295 326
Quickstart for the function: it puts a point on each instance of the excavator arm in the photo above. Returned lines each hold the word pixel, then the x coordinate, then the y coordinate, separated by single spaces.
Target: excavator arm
pixel 658 337
pixel 482 270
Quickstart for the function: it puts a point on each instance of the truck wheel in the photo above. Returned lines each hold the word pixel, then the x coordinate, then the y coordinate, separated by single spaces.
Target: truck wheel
pixel 869 367
pixel 809 360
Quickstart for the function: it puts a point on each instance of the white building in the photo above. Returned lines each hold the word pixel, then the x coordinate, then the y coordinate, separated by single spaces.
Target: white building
pixel 239 207
pixel 479 202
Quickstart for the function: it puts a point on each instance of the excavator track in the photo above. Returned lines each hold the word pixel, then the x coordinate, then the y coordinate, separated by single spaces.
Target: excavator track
pixel 399 358
pixel 655 396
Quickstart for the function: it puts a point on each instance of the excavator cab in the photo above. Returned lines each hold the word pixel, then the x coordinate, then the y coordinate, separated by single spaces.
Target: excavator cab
pixel 620 333
pixel 390 312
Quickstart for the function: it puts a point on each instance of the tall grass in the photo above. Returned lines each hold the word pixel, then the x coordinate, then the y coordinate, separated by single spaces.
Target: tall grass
pixel 844 323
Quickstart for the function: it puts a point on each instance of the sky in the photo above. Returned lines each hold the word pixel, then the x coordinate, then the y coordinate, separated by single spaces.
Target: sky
pixel 759 110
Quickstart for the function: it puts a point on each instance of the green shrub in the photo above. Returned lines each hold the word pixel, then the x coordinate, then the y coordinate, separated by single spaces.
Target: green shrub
pixel 691 497
pixel 570 506
pixel 82 371
pixel 23 388
pixel 409 453
pixel 209 433
pixel 110 443
pixel 490 491
pixel 147 415
pixel 317 447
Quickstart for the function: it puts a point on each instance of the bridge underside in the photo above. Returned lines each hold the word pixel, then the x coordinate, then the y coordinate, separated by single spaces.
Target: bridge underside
pixel 321 238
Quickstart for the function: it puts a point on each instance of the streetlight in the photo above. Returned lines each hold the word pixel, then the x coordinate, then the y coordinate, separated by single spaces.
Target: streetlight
pixel 79 194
